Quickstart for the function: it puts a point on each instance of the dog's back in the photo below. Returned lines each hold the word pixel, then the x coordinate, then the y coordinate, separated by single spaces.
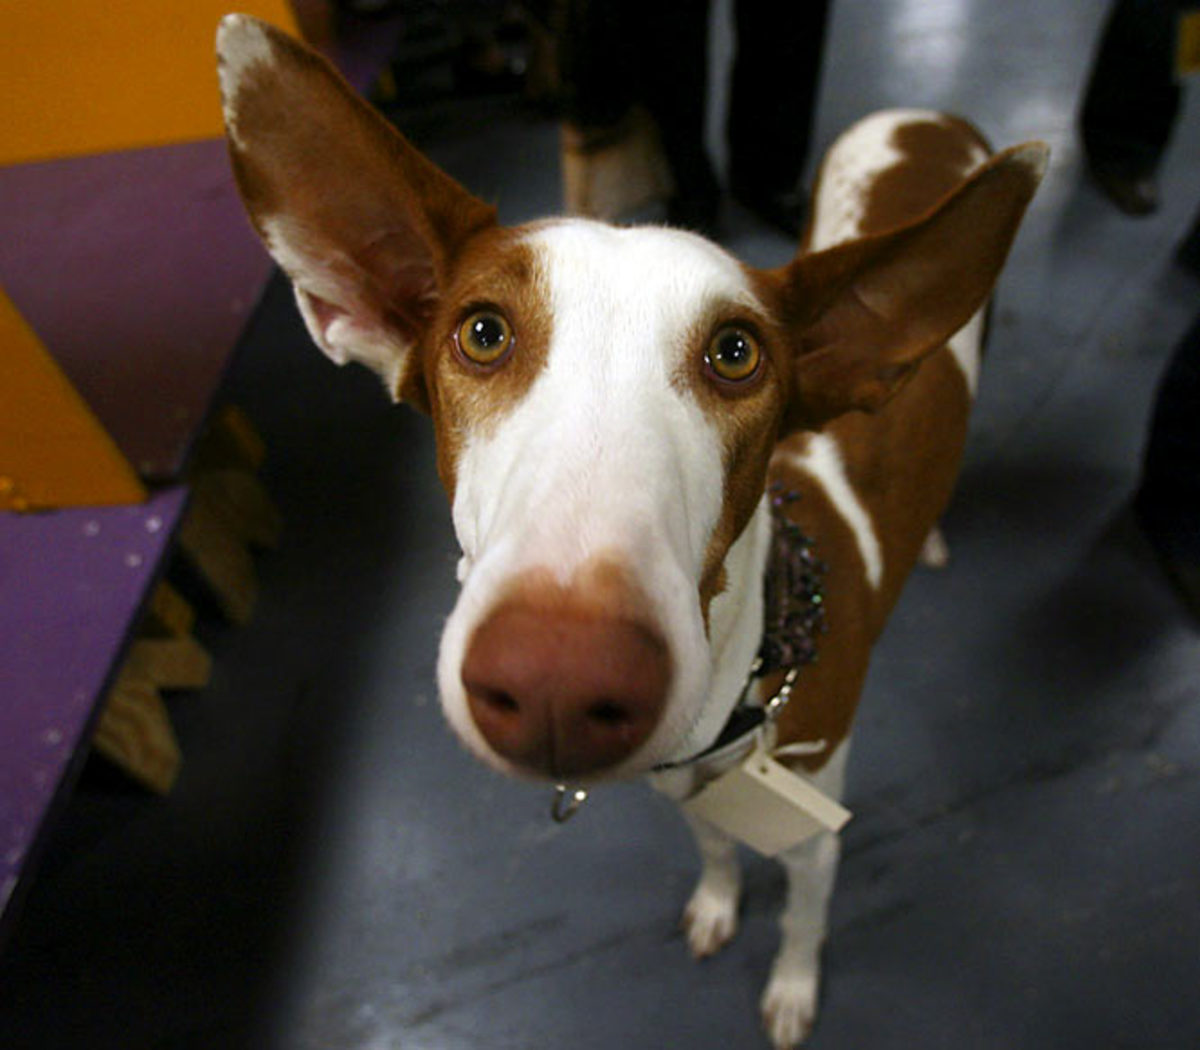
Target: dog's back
pixel 874 485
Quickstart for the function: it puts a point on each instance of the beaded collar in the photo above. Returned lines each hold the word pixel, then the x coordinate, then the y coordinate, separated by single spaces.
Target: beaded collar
pixel 793 592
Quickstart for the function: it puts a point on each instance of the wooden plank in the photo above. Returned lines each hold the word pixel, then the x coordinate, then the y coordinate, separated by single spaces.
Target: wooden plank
pixel 171 663
pixel 242 504
pixel 53 451
pixel 134 732
pixel 220 558
pixel 224 473
pixel 230 512
pixel 169 614
pixel 230 441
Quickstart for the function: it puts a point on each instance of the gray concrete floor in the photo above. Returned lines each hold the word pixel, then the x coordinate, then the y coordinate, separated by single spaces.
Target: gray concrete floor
pixel 1024 867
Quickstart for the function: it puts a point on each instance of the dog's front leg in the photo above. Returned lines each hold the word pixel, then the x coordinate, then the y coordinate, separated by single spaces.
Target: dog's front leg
pixel 710 918
pixel 789 1004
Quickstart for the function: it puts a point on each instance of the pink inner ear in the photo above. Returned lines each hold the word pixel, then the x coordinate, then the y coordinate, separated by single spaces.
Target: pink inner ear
pixel 409 297
pixel 388 286
pixel 400 277
pixel 324 312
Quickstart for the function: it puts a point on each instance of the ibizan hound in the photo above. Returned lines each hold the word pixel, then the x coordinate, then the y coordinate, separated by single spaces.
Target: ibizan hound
pixel 626 418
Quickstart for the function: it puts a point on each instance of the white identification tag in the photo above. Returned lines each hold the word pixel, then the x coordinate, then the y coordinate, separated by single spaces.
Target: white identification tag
pixel 766 805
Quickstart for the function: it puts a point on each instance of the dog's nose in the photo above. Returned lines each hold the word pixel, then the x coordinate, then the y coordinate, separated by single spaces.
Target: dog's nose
pixel 562 693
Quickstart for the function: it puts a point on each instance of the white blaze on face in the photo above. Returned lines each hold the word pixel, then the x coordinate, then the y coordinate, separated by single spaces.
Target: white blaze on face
pixel 608 455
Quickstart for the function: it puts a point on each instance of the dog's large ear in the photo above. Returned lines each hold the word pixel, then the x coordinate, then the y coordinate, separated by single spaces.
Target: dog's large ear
pixel 364 225
pixel 864 313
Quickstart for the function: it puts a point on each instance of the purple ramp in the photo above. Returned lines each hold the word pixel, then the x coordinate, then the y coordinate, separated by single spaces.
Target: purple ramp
pixel 138 270
pixel 72 587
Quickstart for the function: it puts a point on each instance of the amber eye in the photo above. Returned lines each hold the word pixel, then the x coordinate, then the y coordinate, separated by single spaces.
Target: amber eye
pixel 485 337
pixel 733 355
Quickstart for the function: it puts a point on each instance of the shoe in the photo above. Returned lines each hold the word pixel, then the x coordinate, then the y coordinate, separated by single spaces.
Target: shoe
pixel 1188 253
pixel 785 210
pixel 1184 576
pixel 1174 547
pixel 1134 193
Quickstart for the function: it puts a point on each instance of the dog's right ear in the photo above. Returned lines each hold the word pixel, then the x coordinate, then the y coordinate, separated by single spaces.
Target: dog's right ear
pixel 361 222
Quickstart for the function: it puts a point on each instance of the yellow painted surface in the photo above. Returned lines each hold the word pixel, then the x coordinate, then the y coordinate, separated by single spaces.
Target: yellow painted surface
pixel 1188 58
pixel 89 76
pixel 53 451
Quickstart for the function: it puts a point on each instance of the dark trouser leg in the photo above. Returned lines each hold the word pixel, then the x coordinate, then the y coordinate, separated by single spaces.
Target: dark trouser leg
pixel 1188 252
pixel 773 92
pixel 674 79
pixel 1132 96
pixel 614 53
pixel 1168 500
pixel 597 65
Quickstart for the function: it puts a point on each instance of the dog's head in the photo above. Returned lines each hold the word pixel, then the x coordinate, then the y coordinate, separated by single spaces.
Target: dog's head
pixel 605 402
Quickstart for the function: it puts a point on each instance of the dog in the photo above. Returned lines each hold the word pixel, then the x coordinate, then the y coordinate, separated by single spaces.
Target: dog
pixel 673 477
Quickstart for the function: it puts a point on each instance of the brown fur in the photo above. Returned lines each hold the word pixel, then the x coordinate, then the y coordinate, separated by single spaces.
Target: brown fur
pixel 739 411
pixel 934 157
pixel 902 462
pixel 496 269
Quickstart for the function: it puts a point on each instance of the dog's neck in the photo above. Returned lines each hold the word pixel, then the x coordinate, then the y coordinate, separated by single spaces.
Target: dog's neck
pixel 735 628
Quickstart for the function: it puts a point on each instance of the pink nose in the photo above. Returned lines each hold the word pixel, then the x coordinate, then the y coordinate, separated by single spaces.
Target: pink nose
pixel 564 693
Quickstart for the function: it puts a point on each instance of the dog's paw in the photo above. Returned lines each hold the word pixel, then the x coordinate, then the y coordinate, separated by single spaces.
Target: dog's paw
pixel 789 1007
pixel 710 921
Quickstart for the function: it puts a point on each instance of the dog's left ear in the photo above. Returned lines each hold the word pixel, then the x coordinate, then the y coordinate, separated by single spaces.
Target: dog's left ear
pixel 864 313
pixel 363 224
